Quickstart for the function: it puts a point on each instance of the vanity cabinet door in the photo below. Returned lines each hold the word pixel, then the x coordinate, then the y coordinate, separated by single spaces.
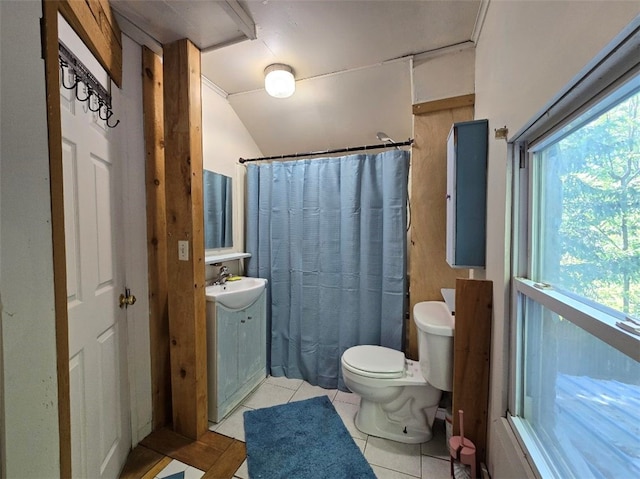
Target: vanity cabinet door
pixel 240 355
pixel 252 341
pixel 228 323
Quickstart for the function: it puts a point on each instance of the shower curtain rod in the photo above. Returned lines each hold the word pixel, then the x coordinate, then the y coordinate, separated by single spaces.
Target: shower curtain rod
pixel 348 149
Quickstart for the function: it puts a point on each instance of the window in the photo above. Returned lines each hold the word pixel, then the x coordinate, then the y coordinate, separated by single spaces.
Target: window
pixel 575 394
pixel 580 398
pixel 587 211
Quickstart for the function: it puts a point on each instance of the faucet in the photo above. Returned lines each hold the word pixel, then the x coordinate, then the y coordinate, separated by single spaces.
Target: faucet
pixel 223 275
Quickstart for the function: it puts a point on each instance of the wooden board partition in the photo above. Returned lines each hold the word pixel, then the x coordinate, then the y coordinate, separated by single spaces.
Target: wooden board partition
pixel 472 352
pixel 428 269
pixel 444 104
pixel 185 231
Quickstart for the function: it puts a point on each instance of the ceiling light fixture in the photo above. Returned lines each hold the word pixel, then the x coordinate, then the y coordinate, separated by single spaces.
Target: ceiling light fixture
pixel 279 80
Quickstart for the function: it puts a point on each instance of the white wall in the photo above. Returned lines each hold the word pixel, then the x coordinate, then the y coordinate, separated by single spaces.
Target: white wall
pixel 30 412
pixel 526 53
pixel 224 140
pixel 443 75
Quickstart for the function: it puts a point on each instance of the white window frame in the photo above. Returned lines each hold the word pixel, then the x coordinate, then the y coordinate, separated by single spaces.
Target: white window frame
pixel 596 322
pixel 609 72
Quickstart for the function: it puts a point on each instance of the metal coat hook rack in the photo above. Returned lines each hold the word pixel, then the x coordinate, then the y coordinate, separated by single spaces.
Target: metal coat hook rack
pixel 97 97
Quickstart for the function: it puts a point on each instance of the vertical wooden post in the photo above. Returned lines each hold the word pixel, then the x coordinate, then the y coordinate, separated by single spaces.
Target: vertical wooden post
pixel 156 237
pixel 183 173
pixel 50 42
pixel 429 271
pixel 472 352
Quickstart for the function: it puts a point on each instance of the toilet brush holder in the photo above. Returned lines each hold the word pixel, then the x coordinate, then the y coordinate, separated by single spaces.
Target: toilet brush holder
pixel 463 454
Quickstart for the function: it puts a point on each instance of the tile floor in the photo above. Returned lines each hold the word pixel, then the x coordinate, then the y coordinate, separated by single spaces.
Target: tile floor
pixel 388 459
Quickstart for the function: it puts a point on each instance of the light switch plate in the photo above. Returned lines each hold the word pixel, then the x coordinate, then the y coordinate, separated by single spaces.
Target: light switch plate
pixel 183 250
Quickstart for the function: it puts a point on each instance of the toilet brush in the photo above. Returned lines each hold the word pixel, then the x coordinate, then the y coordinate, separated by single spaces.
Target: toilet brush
pixel 463 454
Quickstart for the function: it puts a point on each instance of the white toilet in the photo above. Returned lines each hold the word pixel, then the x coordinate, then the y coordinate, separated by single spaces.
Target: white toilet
pixel 400 397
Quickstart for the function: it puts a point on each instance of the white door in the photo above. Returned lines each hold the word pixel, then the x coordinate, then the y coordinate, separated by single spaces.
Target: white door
pixel 100 425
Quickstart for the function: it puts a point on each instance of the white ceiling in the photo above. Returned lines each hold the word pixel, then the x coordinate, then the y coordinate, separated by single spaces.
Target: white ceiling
pixel 351 59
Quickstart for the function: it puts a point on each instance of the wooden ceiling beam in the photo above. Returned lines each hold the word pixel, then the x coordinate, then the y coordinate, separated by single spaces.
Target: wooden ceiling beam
pixel 95 24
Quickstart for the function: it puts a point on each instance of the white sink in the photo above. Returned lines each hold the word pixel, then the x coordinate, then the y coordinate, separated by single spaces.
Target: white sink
pixel 236 294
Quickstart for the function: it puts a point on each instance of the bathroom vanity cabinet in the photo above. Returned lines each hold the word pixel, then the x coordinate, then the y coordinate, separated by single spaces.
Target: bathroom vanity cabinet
pixel 467 194
pixel 237 354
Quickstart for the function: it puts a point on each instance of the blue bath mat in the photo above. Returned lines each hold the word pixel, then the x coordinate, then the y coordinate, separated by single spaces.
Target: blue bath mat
pixel 302 440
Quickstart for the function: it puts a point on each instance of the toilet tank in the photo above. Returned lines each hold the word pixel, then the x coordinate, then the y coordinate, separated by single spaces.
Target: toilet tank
pixel 435 325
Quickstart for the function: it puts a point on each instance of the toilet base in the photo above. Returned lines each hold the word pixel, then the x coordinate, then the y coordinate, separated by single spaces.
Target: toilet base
pixel 372 419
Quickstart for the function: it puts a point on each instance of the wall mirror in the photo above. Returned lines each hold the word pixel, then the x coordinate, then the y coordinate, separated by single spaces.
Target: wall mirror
pixel 218 210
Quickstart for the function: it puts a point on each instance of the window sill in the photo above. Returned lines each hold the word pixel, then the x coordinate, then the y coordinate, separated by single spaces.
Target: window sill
pixel 534 456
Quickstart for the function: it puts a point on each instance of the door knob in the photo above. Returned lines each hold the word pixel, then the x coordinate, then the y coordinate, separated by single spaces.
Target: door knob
pixel 127 299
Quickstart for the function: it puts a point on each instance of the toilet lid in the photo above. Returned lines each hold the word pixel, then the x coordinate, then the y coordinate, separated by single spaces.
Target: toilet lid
pixel 375 361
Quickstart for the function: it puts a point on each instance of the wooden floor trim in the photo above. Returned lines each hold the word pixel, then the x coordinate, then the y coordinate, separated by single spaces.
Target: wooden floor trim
pixel 219 456
pixel 142 462
pixel 234 456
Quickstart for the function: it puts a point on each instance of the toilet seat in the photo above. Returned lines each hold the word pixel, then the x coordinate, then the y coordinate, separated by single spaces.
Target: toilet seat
pixel 374 361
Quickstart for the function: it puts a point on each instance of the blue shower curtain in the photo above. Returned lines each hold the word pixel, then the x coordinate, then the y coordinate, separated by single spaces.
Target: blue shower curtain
pixel 330 236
